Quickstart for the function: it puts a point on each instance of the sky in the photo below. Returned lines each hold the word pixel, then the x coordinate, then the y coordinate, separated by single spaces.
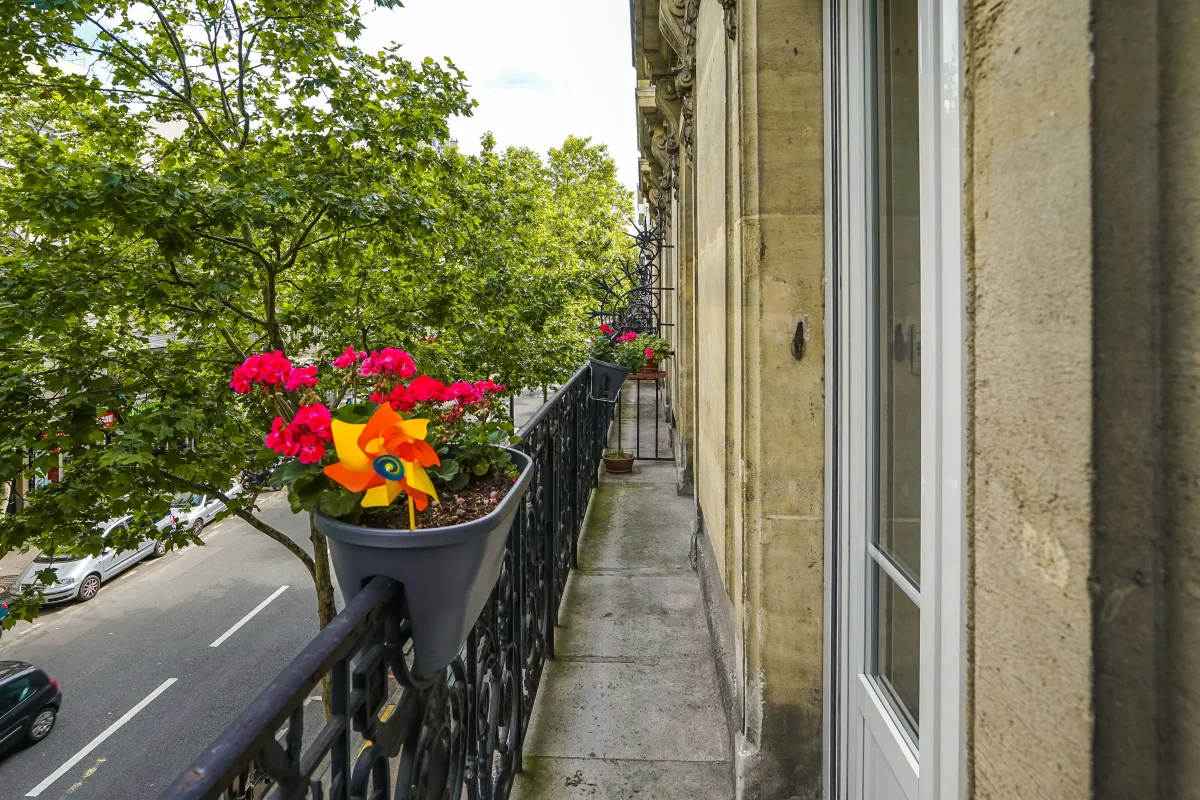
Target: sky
pixel 539 69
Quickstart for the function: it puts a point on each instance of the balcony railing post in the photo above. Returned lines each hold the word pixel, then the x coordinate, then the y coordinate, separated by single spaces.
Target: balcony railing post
pixel 517 543
pixel 550 563
pixel 339 783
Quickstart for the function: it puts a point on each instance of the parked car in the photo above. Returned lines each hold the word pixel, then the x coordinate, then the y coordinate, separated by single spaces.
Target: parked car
pixel 29 703
pixel 81 576
pixel 257 478
pixel 197 510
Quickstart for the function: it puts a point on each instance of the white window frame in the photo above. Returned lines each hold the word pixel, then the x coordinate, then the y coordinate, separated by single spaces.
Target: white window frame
pixel 939 761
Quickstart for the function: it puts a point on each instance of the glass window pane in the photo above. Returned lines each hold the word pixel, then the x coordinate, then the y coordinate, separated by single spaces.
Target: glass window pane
pixel 896 633
pixel 898 278
pixel 898 647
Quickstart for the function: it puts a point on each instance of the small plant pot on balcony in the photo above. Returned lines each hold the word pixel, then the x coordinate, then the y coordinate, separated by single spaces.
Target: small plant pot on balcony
pixel 448 572
pixel 650 372
pixel 618 463
pixel 607 379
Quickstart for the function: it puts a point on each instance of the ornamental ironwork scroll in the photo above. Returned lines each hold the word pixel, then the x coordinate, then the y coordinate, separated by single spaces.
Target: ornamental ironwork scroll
pixel 633 302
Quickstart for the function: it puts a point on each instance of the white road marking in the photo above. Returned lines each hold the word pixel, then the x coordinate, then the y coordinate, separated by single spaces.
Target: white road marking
pixel 94 743
pixel 248 617
pixel 33 627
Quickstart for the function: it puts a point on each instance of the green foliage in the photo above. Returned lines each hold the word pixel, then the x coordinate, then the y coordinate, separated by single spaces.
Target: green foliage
pixel 237 177
pixel 523 243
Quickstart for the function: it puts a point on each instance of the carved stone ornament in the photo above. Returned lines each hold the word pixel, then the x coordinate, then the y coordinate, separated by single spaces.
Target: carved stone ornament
pixel 730 7
pixel 687 130
pixel 685 77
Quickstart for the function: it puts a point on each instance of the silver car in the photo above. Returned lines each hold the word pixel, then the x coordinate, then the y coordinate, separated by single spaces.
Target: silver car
pixel 197 510
pixel 81 576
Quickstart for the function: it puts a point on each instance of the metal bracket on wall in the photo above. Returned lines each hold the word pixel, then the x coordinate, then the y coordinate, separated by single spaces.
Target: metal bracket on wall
pixel 798 341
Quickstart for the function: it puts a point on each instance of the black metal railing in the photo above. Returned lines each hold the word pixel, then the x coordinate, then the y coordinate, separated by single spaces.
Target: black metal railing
pixel 637 302
pixel 390 734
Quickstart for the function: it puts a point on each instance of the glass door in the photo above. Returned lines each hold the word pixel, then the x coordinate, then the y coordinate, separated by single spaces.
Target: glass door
pixel 895 425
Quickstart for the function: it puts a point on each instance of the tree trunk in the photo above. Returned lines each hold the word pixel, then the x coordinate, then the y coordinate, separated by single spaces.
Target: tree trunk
pixel 326 609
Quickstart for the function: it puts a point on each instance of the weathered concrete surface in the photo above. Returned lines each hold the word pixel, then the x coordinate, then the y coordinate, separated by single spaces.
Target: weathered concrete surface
pixel 630 707
pixel 613 779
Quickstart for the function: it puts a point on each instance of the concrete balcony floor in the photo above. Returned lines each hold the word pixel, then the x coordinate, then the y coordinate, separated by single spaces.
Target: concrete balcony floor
pixel 630 706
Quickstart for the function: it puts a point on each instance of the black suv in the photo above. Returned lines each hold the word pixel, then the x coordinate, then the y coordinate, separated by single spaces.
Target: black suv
pixel 29 703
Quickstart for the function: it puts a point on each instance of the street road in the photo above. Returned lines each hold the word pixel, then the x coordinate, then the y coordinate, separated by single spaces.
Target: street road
pixel 143 645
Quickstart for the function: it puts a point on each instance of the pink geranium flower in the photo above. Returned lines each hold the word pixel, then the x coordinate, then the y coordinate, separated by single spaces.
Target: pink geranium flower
pixel 311 449
pixel 465 393
pixel 489 387
pixel 627 336
pixel 305 436
pixel 348 358
pixel 317 419
pixel 241 379
pixel 280 438
pixel 396 361
pixel 301 377
pixel 649 352
pixel 390 360
pixel 271 369
pixel 605 328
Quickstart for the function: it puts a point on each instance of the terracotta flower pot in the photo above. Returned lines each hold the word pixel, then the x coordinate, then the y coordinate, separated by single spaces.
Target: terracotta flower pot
pixel 607 379
pixel 617 466
pixel 448 572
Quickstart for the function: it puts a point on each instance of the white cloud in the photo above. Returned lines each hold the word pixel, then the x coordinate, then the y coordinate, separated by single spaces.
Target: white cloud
pixel 540 69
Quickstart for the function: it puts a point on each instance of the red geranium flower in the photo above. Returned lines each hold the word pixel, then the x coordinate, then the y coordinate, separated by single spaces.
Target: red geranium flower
pixel 425 389
pixel 400 399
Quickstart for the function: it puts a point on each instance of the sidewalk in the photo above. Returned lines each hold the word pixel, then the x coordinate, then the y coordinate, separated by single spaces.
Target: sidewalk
pixel 630 706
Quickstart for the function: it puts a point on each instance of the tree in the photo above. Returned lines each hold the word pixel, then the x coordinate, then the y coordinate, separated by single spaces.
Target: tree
pixel 195 173
pixel 239 176
pixel 530 291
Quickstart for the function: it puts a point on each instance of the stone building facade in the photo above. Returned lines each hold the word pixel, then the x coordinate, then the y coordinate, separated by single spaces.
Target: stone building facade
pixel 935 301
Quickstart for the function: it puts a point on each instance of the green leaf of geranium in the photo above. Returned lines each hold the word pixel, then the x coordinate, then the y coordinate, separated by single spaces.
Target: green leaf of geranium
pixel 338 502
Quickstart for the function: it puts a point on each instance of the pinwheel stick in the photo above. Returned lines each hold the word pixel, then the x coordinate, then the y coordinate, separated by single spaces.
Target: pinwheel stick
pixel 412 514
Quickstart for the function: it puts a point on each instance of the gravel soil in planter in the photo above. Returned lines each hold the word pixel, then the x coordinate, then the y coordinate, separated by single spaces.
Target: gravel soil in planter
pixel 448 571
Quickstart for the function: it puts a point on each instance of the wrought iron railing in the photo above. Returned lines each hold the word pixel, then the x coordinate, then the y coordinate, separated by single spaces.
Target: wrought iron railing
pixel 636 301
pixel 391 734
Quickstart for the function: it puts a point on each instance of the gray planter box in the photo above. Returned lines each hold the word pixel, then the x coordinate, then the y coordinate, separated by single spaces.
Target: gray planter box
pixel 607 379
pixel 448 573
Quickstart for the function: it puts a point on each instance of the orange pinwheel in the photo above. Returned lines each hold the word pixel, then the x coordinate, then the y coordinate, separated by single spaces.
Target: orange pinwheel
pixel 384 457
